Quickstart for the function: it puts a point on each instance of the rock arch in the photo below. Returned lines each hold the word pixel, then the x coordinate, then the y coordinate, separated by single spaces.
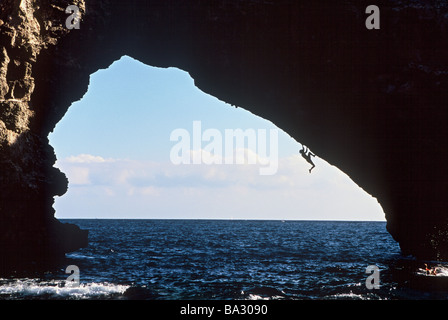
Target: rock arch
pixel 371 102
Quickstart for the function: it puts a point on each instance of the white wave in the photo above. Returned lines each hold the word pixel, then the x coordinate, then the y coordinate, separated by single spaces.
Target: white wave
pixel 78 256
pixel 252 296
pixel 35 288
pixel 348 296
pixel 256 297
pixel 442 271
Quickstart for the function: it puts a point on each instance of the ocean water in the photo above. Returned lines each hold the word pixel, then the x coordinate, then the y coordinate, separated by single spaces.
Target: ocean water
pixel 233 260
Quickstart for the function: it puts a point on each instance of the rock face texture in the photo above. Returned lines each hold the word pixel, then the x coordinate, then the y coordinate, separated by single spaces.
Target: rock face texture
pixel 374 103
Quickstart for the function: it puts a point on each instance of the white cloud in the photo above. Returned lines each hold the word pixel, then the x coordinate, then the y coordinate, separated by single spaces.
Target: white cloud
pixel 142 188
pixel 78 175
pixel 86 158
pixel 292 174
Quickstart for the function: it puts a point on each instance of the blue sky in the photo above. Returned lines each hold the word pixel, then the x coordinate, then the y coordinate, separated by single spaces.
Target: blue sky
pixel 114 146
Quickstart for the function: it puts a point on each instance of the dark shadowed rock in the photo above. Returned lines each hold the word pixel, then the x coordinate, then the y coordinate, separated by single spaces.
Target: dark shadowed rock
pixel 139 293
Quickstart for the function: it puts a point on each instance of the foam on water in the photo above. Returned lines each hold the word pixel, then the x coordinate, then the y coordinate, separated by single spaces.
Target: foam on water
pixel 351 295
pixel 57 289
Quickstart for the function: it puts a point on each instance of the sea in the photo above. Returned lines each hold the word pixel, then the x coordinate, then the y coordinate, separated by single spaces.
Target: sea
pixel 239 260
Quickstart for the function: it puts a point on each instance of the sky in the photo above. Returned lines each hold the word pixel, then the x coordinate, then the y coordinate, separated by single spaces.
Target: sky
pixel 145 143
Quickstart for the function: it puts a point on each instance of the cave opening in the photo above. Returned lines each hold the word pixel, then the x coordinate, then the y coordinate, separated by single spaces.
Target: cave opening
pixel 114 147
pixel 383 108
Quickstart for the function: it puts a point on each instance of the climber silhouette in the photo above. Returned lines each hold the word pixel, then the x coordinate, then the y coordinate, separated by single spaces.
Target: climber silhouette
pixel 306 154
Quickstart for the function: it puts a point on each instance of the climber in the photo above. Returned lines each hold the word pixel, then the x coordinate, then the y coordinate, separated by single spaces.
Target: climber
pixel 306 154
pixel 430 270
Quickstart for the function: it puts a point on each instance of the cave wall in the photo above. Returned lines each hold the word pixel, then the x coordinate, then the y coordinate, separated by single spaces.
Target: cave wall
pixel 371 102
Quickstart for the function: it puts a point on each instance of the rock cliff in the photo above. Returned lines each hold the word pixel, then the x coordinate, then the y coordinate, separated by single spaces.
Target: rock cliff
pixel 371 102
